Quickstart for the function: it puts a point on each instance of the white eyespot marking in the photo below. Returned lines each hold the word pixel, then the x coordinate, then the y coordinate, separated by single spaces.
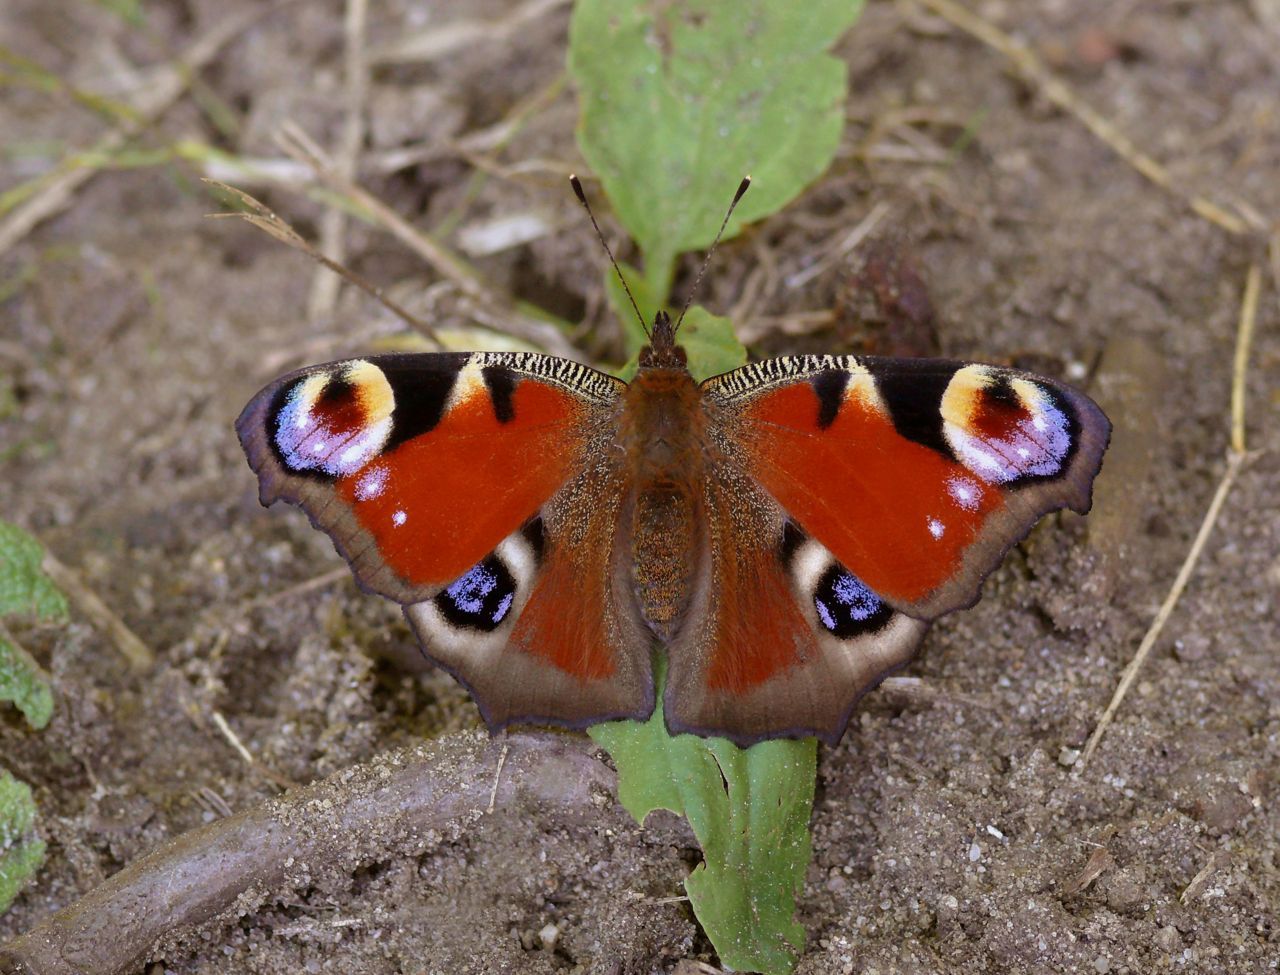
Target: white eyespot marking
pixel 966 493
pixel 1004 428
pixel 335 421
pixel 808 564
pixel 372 483
pixel 398 518
pixel 936 528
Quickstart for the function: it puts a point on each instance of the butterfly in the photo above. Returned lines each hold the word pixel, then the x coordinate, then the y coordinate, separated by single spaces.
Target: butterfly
pixel 784 532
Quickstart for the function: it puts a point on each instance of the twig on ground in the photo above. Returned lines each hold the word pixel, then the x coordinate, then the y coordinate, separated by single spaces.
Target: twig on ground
pixel 1242 222
pixel 275 778
pixel 388 806
pixel 343 572
pixel 299 146
pixel 233 738
pixel 1200 881
pixel 837 251
pixel 333 225
pixel 1235 460
pixel 916 692
pixel 435 42
pixel 1100 861
pixel 139 655
pixel 168 87
pixel 497 775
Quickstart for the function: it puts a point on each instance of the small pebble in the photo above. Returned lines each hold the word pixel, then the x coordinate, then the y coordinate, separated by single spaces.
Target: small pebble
pixel 1168 939
pixel 1068 756
pixel 548 936
pixel 1102 965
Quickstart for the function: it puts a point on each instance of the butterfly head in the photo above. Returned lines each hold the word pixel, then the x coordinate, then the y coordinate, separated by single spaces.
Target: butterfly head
pixel 662 352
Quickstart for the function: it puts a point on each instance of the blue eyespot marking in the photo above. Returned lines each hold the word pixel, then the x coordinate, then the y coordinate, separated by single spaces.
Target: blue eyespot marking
pixel 480 599
pixel 846 606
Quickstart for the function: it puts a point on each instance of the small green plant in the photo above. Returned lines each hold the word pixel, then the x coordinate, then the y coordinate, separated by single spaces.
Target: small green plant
pixel 680 100
pixel 749 809
pixel 21 852
pixel 24 591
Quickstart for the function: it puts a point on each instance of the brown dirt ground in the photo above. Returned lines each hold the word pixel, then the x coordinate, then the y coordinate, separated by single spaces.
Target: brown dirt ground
pixel 946 833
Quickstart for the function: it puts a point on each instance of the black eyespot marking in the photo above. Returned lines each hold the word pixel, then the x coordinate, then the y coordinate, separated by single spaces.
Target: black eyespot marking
pixel 830 387
pixel 481 599
pixel 338 392
pixel 914 400
pixel 792 539
pixel 502 384
pixel 534 534
pixel 1000 393
pixel 846 607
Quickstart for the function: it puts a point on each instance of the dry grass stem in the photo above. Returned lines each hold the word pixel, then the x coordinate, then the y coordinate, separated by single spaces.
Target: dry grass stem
pixel 1235 460
pixel 340 574
pixel 266 220
pixel 131 647
pixel 233 738
pixel 300 146
pixel 1244 341
pixel 497 775
pixel 167 87
pixel 1060 94
pixel 433 43
pixel 842 248
pixel 333 225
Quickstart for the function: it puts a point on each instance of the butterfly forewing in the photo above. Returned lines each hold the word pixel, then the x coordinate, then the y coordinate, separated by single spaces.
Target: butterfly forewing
pixel 917 474
pixel 452 483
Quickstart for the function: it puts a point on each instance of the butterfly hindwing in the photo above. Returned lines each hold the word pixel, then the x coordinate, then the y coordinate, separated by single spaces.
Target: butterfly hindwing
pixel 780 640
pixel 535 631
pixel 917 474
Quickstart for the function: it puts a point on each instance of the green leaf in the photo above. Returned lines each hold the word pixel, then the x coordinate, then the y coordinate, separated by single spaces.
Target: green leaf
pixel 709 341
pixel 21 853
pixel 24 588
pixel 24 683
pixel 749 809
pixel 682 99
pixel 711 344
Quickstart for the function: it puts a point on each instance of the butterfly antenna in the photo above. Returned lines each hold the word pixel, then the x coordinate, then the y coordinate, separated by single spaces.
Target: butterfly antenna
pixel 742 189
pixel 582 198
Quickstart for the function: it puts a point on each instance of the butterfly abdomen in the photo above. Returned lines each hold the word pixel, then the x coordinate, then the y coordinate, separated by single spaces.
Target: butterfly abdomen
pixel 664 431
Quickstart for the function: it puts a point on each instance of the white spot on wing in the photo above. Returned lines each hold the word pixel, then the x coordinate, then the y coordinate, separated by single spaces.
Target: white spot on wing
pixel 936 528
pixel 371 484
pixel 966 493
pixel 399 518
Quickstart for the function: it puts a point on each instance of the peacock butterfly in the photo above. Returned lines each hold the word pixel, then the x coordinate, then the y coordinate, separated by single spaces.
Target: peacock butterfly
pixel 785 531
